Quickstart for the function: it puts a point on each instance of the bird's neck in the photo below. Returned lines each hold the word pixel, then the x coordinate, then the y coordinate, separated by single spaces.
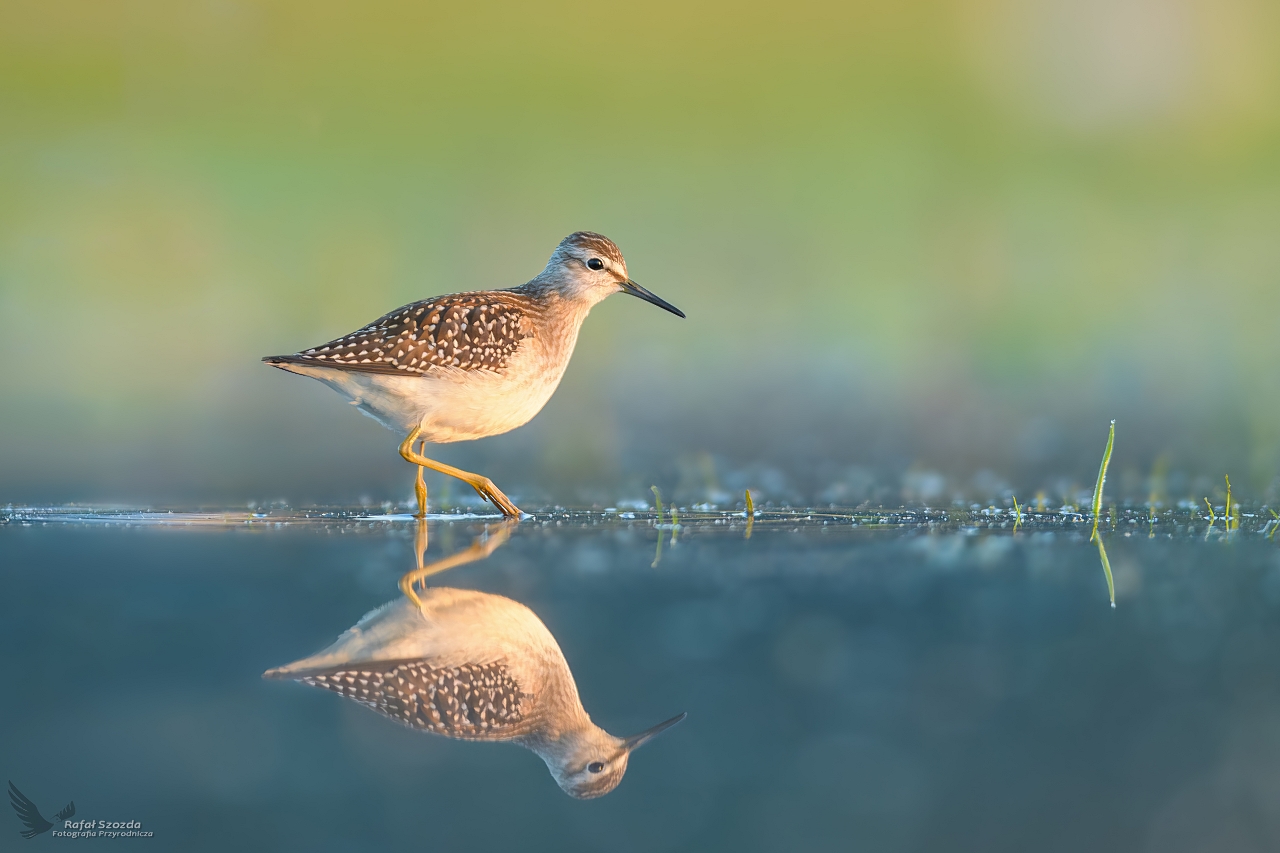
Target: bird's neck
pixel 557 739
pixel 562 313
pixel 565 290
pixel 561 719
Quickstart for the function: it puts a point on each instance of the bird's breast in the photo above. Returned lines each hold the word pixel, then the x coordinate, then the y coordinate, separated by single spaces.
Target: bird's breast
pixel 474 404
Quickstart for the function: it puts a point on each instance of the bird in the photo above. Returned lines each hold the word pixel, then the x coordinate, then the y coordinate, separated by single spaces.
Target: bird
pixel 475 666
pixel 472 365
pixel 30 815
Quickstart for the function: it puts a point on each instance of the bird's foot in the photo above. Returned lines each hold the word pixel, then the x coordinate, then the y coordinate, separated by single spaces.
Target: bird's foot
pixel 486 489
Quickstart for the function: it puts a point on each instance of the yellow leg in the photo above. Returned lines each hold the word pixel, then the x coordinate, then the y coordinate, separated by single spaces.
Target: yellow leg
pixel 420 489
pixel 420 541
pixel 481 548
pixel 483 485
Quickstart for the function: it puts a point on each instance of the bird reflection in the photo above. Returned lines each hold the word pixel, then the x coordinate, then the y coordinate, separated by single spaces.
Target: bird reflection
pixel 474 666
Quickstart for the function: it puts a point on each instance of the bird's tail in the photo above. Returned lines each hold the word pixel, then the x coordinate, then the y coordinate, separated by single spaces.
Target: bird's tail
pixel 282 361
pixel 301 366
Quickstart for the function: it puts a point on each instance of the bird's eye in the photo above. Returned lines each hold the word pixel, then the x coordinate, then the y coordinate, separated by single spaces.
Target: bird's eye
pixel 596 264
pixel 595 766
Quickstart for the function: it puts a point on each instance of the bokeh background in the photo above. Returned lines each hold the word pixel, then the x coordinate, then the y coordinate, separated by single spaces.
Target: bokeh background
pixel 927 250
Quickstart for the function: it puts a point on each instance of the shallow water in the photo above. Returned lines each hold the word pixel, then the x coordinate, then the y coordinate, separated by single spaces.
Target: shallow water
pixel 903 681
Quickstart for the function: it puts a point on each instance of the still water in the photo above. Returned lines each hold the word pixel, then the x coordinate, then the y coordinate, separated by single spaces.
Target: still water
pixel 922 684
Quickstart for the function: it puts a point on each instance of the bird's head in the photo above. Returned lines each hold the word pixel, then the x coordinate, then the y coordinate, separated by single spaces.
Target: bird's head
pixel 588 267
pixel 591 762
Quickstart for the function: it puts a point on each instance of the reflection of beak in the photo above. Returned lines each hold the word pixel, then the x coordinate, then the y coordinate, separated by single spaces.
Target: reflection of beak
pixel 634 289
pixel 635 741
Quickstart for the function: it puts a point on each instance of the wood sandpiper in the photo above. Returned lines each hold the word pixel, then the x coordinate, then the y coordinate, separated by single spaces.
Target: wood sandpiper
pixel 471 365
pixel 474 666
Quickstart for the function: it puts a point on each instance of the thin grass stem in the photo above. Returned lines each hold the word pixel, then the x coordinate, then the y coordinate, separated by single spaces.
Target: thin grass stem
pixel 657 497
pixel 1230 525
pixel 1106 569
pixel 1102 479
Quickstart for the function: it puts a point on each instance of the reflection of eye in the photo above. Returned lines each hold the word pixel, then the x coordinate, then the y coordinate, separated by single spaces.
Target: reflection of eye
pixel 596 264
pixel 595 766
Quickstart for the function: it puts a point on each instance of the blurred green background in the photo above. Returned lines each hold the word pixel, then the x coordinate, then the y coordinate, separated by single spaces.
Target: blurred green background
pixel 925 248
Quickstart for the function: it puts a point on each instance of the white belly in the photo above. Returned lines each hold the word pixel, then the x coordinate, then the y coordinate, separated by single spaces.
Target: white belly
pixel 449 404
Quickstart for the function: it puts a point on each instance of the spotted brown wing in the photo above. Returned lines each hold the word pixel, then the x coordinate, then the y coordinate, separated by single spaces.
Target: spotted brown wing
pixel 471 701
pixel 469 331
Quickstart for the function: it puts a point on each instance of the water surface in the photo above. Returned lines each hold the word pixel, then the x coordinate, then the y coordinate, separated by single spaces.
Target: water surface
pixel 877 682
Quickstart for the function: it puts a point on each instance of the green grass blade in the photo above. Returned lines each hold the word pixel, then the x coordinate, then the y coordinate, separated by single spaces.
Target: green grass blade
pixel 1230 527
pixel 1102 479
pixel 1106 569
pixel 657 557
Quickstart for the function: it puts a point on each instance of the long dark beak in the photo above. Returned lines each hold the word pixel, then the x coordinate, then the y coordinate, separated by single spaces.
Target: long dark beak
pixel 644 737
pixel 636 290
